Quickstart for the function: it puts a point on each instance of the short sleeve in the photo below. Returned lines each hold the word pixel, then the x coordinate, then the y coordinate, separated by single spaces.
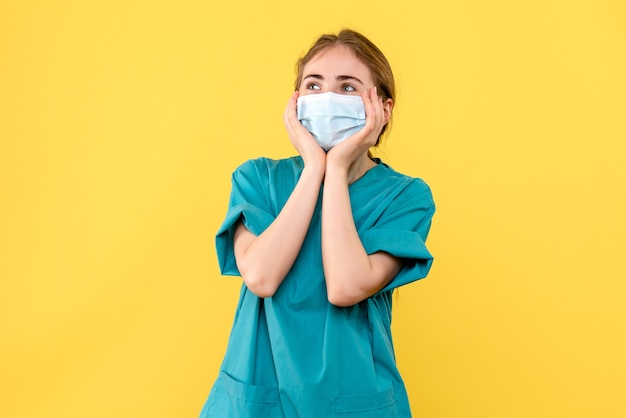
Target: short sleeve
pixel 401 231
pixel 248 203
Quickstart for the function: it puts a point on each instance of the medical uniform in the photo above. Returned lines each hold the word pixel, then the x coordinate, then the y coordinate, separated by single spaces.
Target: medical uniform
pixel 295 355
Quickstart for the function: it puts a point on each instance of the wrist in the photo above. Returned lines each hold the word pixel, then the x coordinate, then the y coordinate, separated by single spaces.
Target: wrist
pixel 336 171
pixel 314 170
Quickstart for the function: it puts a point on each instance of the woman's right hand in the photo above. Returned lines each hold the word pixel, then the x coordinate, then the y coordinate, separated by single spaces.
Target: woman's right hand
pixel 264 260
pixel 312 154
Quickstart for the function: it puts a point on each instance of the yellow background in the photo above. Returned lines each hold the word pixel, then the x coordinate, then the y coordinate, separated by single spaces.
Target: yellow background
pixel 121 121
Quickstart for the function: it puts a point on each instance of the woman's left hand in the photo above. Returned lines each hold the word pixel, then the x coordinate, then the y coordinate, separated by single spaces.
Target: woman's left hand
pixel 345 153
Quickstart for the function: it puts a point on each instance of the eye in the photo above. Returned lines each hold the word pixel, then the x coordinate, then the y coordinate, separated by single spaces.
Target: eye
pixel 348 88
pixel 312 86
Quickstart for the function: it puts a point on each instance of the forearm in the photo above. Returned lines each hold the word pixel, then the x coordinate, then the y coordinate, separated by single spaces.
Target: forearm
pixel 350 275
pixel 265 260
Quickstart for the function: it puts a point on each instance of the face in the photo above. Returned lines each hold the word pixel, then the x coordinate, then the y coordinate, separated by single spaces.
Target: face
pixel 335 69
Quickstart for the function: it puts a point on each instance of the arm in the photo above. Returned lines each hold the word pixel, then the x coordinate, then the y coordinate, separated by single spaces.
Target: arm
pixel 351 274
pixel 265 260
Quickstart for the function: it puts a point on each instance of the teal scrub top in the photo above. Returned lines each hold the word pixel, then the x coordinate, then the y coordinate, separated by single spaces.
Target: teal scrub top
pixel 295 355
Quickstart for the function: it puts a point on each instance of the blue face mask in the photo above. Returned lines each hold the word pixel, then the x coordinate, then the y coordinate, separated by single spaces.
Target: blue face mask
pixel 331 117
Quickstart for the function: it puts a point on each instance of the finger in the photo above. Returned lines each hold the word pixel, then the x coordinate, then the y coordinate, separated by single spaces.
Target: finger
pixel 299 136
pixel 374 116
pixel 380 112
pixel 377 102
pixel 291 115
pixel 291 105
pixel 372 109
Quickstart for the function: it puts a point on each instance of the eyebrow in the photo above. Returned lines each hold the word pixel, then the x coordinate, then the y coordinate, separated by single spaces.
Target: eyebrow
pixel 338 78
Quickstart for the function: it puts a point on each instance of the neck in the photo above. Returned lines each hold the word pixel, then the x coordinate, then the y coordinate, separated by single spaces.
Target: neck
pixel 359 167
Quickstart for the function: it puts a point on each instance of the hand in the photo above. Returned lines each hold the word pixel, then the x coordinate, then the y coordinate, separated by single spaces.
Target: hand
pixel 354 147
pixel 302 140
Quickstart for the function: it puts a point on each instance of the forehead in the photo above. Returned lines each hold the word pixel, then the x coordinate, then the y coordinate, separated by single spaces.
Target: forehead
pixel 337 60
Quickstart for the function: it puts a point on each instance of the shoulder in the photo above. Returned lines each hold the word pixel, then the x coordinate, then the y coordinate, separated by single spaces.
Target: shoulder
pixel 412 188
pixel 418 189
pixel 266 172
pixel 269 165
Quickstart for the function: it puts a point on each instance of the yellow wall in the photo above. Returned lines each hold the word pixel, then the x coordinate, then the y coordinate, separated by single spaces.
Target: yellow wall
pixel 120 122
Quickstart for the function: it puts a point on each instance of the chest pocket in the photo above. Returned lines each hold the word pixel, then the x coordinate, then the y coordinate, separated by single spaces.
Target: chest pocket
pixel 232 398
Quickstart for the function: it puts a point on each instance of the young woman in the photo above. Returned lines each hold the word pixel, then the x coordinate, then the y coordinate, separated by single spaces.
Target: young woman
pixel 321 240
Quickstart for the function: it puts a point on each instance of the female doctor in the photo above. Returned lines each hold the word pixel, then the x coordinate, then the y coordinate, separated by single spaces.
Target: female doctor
pixel 321 240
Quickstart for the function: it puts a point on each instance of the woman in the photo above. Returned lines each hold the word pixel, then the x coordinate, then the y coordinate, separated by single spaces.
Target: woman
pixel 321 240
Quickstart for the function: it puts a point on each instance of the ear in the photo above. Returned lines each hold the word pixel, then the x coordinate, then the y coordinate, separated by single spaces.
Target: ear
pixel 387 108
